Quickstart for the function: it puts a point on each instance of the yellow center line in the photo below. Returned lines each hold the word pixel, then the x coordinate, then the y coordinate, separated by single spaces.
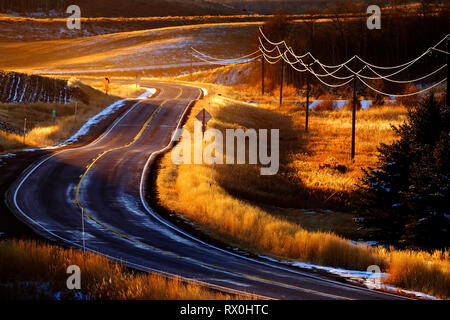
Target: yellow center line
pixel 118 148
pixel 164 252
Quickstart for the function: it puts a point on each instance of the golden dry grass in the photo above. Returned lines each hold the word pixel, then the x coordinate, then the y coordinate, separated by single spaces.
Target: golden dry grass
pixel 101 278
pixel 420 271
pixel 42 130
pixel 317 165
pixel 230 209
pixel 327 166
pixel 241 220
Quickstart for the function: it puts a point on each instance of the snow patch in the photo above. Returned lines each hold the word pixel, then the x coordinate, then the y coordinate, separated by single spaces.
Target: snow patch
pixel 91 122
pixel 369 279
pixel 4 156
pixel 94 120
pixel 148 93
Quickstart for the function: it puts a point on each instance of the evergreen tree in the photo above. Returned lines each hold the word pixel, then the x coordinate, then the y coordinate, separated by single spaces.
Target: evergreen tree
pixel 405 199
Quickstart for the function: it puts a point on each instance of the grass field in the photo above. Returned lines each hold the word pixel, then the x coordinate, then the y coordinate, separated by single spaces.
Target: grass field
pixel 33 270
pixel 317 171
pixel 263 214
pixel 42 129
pixel 147 52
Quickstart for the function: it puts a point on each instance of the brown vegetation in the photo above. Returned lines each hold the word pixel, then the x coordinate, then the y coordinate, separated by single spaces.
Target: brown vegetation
pixel 232 208
pixel 33 270
pixel 42 129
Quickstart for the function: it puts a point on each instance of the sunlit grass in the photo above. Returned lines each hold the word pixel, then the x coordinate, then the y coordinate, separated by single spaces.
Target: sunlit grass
pixel 34 264
pixel 43 130
pixel 328 145
pixel 222 211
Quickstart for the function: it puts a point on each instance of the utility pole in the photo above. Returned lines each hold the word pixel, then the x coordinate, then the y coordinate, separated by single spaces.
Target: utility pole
pixel 447 95
pixel 262 74
pixel 307 102
pixel 354 117
pixel 24 129
pixel 191 62
pixel 82 231
pixel 308 85
pixel 282 81
pixel 262 67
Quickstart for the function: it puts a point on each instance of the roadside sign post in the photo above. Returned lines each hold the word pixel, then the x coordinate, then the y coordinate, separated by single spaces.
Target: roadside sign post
pixel 212 171
pixel 107 82
pixel 204 116
pixel 137 79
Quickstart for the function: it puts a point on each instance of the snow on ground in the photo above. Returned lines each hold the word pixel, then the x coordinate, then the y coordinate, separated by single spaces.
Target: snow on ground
pixel 365 104
pixel 87 126
pixel 148 93
pixel 104 114
pixel 341 103
pixel 149 50
pixel 111 70
pixel 4 156
pixel 370 279
pixel 45 289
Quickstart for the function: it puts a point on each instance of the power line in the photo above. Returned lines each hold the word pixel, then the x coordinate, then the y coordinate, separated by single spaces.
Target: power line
pixel 223 63
pixel 356 56
pixel 369 66
pixel 403 81
pixel 219 59
pixel 402 95
pixel 270 62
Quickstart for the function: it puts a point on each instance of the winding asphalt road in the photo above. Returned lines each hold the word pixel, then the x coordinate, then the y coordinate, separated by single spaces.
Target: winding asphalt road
pixel 106 180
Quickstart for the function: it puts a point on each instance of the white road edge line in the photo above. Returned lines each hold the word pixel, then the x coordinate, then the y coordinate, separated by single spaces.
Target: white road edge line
pixel 152 213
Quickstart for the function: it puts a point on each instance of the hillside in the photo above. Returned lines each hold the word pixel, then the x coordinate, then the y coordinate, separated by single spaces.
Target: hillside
pixel 53 109
pixel 270 6
pixel 103 8
pixel 21 88
pixel 153 8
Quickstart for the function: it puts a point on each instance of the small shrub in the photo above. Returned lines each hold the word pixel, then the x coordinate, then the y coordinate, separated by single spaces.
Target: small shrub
pixel 327 103
pixel 410 101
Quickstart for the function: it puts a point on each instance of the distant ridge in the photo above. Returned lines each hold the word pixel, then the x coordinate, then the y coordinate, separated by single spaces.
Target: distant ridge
pixel 156 8
pixel 22 88
pixel 117 8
